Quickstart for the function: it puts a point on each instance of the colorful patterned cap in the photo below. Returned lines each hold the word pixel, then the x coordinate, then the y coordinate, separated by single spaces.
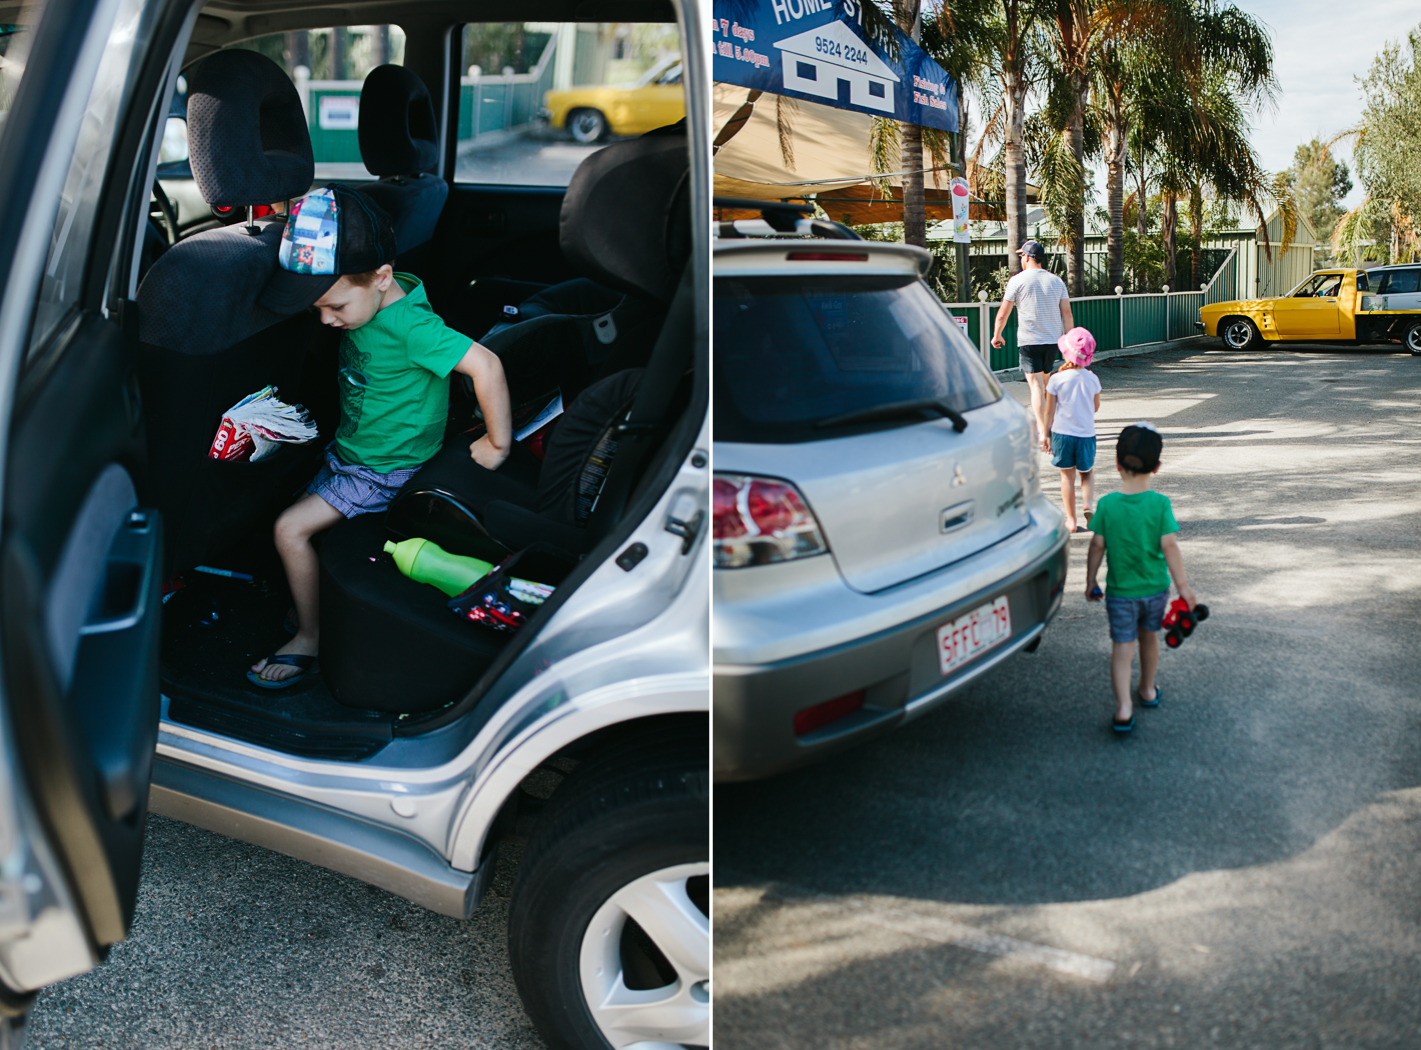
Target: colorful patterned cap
pixel 329 232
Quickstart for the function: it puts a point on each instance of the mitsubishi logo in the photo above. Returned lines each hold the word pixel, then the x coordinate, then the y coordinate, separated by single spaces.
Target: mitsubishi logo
pixel 958 478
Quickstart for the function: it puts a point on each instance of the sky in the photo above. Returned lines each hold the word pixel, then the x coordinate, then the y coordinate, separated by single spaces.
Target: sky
pixel 1319 46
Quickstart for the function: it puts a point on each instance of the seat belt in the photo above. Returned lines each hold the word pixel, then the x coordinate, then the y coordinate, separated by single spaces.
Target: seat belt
pixel 646 423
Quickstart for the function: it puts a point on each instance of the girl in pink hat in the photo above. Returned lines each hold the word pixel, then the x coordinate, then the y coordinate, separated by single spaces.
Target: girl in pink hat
pixel 1072 400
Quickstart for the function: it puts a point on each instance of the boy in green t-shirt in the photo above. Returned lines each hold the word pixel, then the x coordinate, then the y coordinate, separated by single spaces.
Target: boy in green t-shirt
pixel 1135 527
pixel 396 356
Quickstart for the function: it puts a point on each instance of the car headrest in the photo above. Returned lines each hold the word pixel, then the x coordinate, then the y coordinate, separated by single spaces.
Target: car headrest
pixel 247 136
pixel 397 131
pixel 626 218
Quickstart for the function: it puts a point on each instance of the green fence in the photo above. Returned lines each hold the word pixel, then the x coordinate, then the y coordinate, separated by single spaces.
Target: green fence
pixel 487 104
pixel 1115 321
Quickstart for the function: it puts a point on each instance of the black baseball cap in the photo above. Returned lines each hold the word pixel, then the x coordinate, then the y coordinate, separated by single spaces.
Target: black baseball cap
pixel 1138 448
pixel 1033 249
pixel 330 232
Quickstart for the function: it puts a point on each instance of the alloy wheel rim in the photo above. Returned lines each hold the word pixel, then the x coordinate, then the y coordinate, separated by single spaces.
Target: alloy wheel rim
pixel 1238 335
pixel 587 126
pixel 1413 340
pixel 664 1018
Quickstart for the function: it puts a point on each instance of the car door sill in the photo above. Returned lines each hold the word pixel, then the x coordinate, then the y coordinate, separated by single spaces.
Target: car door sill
pixel 323 836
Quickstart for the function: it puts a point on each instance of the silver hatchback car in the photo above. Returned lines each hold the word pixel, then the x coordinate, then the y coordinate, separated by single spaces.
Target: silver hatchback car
pixel 880 534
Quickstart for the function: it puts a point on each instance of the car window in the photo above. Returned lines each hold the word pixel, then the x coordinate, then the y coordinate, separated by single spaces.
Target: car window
pixel 1329 285
pixel 1400 282
pixel 794 350
pixel 1362 285
pixel 328 67
pixel 1309 287
pixel 61 283
pixel 536 98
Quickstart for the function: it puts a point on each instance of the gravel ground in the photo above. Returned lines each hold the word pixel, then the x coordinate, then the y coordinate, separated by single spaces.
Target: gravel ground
pixel 1240 872
pixel 237 947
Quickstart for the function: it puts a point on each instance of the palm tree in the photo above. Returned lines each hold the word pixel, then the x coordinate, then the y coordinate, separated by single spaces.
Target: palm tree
pixel 996 40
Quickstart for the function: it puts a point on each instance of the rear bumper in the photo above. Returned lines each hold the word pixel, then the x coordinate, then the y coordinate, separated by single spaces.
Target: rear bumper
pixel 898 669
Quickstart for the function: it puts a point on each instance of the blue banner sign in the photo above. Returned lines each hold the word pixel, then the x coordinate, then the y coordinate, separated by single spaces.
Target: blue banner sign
pixel 818 50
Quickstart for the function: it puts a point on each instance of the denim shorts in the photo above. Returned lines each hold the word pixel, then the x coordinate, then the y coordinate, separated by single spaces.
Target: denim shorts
pixel 353 489
pixel 1130 616
pixel 1036 357
pixel 1068 451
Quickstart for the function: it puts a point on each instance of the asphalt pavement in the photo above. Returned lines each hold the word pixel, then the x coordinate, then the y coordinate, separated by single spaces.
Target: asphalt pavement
pixel 1241 871
pixel 235 947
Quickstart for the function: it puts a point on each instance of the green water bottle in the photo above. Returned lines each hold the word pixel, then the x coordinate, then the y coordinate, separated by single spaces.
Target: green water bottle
pixel 424 561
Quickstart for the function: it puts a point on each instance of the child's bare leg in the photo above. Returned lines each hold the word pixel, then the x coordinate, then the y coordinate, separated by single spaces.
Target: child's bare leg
pixel 1149 663
pixel 294 530
pixel 1122 655
pixel 1088 490
pixel 1068 496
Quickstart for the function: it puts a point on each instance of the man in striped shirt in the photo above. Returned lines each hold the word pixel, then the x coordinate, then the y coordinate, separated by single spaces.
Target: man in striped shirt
pixel 1045 314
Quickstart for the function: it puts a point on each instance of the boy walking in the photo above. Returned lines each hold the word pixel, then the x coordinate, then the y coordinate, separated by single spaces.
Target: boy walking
pixel 396 356
pixel 1045 313
pixel 1135 529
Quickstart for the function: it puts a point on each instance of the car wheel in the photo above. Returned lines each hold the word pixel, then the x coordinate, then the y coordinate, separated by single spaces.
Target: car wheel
pixel 609 928
pixel 1413 339
pixel 587 126
pixel 1239 333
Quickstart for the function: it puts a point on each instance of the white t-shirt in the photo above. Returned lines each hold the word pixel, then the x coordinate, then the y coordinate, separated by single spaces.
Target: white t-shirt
pixel 1075 390
pixel 1038 295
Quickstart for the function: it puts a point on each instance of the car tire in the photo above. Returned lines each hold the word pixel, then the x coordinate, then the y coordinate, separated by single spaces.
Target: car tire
pixel 587 126
pixel 621 847
pixel 1412 339
pixel 1239 333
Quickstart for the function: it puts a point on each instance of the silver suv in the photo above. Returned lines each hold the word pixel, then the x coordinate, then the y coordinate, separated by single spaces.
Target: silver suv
pixel 423 742
pixel 880 535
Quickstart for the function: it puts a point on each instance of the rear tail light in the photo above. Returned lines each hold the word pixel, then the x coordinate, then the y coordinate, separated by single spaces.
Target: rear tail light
pixel 761 520
pixel 820 715
pixel 827 256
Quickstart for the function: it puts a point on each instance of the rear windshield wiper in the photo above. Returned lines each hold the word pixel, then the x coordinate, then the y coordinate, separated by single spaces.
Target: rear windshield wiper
pixel 897 410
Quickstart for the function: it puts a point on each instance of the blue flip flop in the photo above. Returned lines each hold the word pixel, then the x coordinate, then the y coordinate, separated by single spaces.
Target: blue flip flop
pixel 1149 703
pixel 307 665
pixel 1123 727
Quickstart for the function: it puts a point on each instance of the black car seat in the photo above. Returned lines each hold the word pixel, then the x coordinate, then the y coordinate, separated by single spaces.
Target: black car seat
pixel 399 142
pixel 206 340
pixel 624 225
pixel 390 643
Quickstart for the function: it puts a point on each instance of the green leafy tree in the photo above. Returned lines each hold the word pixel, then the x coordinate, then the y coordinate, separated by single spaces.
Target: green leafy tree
pixel 1388 142
pixel 1319 182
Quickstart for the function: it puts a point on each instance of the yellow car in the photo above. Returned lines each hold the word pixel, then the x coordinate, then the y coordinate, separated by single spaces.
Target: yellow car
pixel 1332 306
pixel 593 114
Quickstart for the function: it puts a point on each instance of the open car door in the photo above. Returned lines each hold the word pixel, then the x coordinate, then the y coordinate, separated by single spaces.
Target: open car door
pixel 80 558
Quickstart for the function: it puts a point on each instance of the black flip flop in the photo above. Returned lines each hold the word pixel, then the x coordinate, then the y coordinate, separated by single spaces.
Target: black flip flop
pixel 1149 703
pixel 1123 727
pixel 306 664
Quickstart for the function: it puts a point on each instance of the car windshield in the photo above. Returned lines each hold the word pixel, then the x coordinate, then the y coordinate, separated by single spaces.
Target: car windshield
pixel 794 351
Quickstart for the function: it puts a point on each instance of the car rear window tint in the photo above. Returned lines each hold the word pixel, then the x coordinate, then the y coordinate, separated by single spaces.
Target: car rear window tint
pixel 1400 282
pixel 791 351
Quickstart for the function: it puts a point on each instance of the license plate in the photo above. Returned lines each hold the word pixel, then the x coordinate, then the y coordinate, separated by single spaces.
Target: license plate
pixel 975 632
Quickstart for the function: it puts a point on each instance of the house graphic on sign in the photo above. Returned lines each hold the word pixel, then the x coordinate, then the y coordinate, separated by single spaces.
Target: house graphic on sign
pixel 834 63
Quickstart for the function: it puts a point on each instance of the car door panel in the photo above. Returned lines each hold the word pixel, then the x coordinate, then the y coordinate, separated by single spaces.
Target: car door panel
pixel 79 604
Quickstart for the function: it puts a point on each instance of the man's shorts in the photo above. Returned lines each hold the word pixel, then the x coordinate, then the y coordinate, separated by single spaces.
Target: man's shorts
pixel 353 489
pixel 1038 357
pixel 1130 616
pixel 1069 451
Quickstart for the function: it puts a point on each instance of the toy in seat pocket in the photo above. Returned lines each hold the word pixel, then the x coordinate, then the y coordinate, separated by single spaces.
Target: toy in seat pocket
pixel 510 594
pixel 1179 622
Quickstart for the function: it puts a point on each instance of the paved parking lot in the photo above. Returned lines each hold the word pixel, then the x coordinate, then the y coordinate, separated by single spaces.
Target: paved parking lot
pixel 236 947
pixel 1241 871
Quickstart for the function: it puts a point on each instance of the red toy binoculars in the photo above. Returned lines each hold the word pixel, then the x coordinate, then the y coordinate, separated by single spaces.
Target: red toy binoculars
pixel 1179 621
